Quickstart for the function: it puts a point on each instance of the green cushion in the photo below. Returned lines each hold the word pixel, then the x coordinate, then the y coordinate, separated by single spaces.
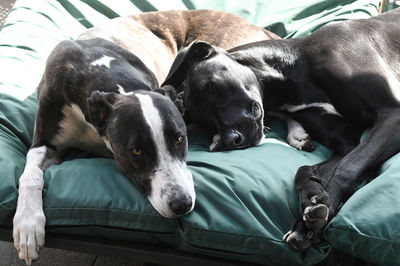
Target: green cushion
pixel 245 199
pixel 368 224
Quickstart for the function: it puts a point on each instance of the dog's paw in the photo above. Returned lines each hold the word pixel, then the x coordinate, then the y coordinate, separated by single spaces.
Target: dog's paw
pixel 28 233
pixel 216 144
pixel 316 216
pixel 297 240
pixel 300 140
pixel 300 237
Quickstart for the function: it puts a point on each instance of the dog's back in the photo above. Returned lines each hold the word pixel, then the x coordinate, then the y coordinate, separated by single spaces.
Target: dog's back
pixel 156 37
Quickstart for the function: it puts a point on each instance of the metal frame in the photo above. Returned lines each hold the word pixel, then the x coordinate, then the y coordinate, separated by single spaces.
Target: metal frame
pixel 122 249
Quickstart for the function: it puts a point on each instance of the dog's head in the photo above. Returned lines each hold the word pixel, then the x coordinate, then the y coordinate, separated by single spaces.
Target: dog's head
pixel 147 135
pixel 221 94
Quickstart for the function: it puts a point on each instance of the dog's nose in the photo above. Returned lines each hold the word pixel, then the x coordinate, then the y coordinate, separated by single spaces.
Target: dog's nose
pixel 234 139
pixel 181 205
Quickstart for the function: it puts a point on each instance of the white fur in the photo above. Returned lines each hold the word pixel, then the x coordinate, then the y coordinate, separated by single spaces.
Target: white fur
pixel 169 171
pixel 216 141
pixel 329 108
pixel 76 132
pixel 122 91
pixel 297 136
pixel 29 220
pixel 392 80
pixel 103 61
pixel 177 174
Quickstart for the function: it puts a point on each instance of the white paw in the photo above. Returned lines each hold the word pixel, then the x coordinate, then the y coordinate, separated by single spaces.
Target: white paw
pixel 28 233
pixel 216 144
pixel 297 136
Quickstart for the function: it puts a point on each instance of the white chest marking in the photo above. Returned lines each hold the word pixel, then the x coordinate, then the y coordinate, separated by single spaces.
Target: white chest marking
pixel 329 108
pixel 122 91
pixel 76 132
pixel 392 81
pixel 103 61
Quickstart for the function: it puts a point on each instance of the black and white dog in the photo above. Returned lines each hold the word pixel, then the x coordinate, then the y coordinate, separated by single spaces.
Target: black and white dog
pixel 336 82
pixel 100 94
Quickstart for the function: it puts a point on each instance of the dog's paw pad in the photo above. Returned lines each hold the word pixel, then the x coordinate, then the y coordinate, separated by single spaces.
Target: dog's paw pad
pixel 316 216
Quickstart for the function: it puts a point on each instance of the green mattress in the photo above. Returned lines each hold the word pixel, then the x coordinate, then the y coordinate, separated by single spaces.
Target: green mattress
pixel 246 199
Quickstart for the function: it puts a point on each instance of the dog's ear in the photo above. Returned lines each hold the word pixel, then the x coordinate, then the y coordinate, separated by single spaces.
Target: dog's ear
pixel 100 106
pixel 176 98
pixel 196 51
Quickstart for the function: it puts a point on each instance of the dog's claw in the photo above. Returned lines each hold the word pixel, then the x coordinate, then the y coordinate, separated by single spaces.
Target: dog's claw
pixel 285 236
pixel 307 145
pixel 297 241
pixel 301 142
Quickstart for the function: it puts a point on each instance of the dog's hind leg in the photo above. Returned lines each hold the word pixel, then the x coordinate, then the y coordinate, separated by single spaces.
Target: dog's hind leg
pixel 314 203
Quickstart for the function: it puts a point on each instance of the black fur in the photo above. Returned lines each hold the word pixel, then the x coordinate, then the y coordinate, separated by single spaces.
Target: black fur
pixel 353 66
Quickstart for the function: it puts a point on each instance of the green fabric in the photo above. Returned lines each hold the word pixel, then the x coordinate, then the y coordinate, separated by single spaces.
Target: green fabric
pixel 368 224
pixel 292 18
pixel 245 199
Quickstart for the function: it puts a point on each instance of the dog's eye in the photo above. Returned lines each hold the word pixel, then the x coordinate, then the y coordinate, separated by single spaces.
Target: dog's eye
pixel 179 140
pixel 136 151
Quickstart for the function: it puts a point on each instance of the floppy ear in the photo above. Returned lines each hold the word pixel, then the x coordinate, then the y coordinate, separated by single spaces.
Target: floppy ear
pixel 196 51
pixel 176 98
pixel 100 108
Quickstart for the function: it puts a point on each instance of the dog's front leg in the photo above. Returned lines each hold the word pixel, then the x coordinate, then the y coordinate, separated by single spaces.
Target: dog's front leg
pixel 339 177
pixel 29 220
pixel 315 203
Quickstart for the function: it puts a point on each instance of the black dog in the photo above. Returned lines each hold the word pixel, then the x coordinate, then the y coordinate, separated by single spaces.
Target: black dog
pixel 335 82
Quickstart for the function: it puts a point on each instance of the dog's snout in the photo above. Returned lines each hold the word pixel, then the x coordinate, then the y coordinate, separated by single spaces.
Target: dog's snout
pixel 181 205
pixel 235 138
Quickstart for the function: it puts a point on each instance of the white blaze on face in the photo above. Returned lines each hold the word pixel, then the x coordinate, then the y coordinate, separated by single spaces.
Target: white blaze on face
pixel 170 173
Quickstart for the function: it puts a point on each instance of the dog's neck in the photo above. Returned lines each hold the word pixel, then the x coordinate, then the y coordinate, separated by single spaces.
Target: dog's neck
pixel 277 65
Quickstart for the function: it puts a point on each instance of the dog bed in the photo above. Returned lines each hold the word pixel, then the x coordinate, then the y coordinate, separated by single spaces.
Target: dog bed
pixel 246 199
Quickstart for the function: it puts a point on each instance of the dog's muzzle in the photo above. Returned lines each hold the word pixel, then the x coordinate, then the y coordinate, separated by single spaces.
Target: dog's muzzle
pixel 172 190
